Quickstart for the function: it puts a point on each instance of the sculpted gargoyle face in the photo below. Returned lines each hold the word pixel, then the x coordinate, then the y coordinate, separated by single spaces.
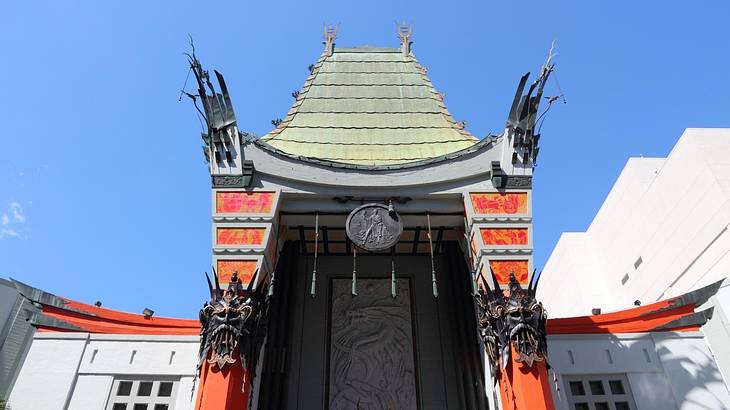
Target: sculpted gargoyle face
pixel 513 319
pixel 525 319
pixel 223 321
pixel 232 326
pixel 226 320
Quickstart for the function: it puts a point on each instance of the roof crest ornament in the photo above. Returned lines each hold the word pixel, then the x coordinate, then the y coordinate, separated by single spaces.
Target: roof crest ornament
pixel 405 33
pixel 523 122
pixel 330 34
pixel 217 110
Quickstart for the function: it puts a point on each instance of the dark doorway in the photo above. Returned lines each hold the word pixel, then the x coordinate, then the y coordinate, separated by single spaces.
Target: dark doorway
pixel 372 350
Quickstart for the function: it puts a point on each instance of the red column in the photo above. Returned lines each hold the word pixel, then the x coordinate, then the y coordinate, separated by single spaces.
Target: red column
pixel 222 389
pixel 525 388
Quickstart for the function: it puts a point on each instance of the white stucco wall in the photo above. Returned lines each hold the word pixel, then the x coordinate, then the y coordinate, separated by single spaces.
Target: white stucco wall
pixel 695 379
pixel 665 370
pixel 76 370
pixel 717 330
pixel 88 392
pixel 48 373
pixel 652 390
pixel 672 213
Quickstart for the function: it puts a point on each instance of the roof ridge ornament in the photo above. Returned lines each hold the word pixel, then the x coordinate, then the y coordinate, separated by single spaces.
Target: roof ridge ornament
pixel 523 122
pixel 330 34
pixel 405 33
pixel 217 112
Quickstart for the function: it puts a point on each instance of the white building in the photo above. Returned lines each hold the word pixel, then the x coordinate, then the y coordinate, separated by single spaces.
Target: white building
pixel 61 354
pixel 95 371
pixel 661 232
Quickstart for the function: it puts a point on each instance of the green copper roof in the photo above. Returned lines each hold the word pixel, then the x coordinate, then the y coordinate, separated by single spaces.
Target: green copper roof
pixel 369 106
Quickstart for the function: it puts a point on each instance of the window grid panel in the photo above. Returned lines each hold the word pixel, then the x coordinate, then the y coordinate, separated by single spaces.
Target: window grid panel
pixel 142 393
pixel 599 392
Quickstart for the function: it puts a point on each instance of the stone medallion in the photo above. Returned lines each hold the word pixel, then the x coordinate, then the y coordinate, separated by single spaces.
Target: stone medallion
pixel 374 227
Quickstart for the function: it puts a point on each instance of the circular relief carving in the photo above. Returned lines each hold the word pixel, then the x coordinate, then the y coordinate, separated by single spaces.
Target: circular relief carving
pixel 374 227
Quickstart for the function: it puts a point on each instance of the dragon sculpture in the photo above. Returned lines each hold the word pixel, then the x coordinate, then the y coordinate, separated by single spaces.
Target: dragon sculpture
pixel 231 325
pixel 512 318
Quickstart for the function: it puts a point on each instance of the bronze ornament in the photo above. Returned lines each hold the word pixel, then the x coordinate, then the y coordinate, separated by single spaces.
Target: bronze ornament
pixel 374 227
pixel 515 319
pixel 231 325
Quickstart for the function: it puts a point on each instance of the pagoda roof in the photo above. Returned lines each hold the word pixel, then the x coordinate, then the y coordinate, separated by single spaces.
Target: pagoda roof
pixel 369 106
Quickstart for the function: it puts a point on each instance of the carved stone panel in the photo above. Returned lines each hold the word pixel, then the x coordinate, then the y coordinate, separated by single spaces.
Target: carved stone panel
pixel 371 351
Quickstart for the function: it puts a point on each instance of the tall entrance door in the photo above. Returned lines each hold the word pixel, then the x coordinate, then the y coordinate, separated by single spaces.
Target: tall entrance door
pixel 391 345
pixel 371 356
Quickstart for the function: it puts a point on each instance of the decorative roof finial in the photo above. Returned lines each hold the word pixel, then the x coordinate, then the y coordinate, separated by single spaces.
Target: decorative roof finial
pixel 330 34
pixel 405 33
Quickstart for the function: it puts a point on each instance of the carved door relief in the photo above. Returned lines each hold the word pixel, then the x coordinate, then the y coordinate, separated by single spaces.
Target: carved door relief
pixel 371 364
pixel 336 351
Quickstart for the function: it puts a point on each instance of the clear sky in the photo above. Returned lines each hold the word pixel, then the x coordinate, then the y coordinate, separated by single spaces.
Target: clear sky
pixel 103 191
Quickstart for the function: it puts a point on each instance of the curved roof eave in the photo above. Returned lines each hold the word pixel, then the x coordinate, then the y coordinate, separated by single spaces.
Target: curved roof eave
pixel 459 165
pixel 486 143
pixel 58 314
pixel 677 314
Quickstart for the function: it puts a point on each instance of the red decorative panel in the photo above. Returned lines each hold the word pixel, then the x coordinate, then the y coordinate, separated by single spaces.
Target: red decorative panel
pixel 244 202
pixel 245 269
pixel 502 269
pixel 240 236
pixel 497 203
pixel 504 236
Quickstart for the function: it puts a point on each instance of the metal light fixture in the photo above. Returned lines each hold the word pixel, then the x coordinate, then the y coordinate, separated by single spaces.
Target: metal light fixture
pixel 147 312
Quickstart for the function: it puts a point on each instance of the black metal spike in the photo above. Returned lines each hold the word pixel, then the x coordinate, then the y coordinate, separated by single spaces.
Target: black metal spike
pixel 527 104
pixel 229 114
pixel 532 280
pixel 217 284
pixel 488 290
pixel 251 282
pixel 512 116
pixel 210 286
pixel 537 281
pixel 497 289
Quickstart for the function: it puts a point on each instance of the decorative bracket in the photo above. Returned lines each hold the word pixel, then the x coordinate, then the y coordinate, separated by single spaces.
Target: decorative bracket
pixel 236 181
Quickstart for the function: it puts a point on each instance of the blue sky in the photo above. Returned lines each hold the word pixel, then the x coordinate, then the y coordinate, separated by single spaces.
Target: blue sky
pixel 103 191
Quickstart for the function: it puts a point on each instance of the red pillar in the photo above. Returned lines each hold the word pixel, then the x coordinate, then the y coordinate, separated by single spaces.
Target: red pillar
pixel 222 389
pixel 525 388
